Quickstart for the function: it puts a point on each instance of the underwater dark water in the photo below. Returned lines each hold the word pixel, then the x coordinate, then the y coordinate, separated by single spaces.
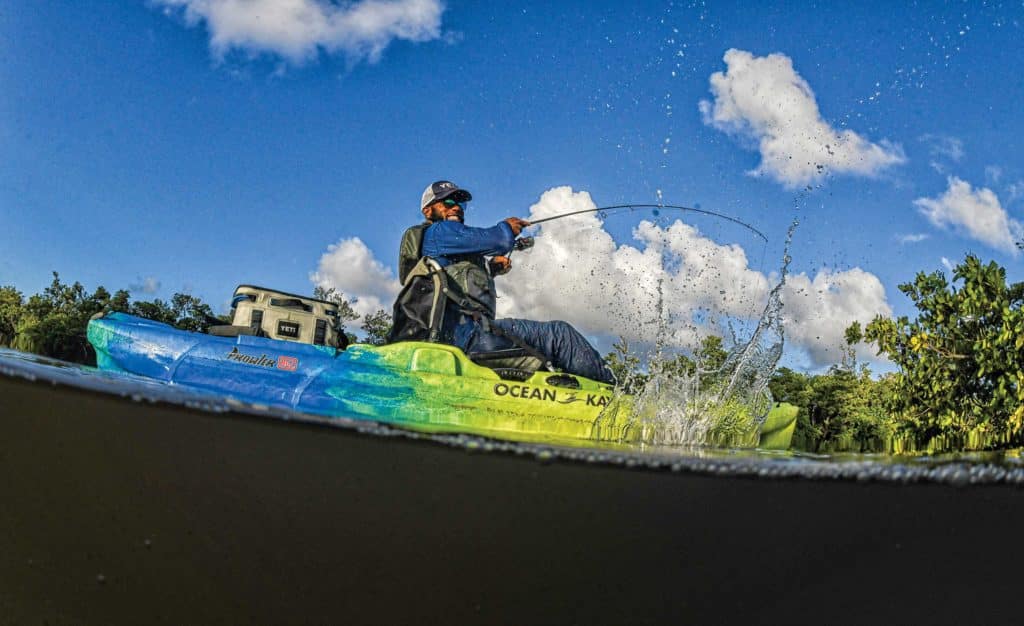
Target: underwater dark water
pixel 129 502
pixel 957 469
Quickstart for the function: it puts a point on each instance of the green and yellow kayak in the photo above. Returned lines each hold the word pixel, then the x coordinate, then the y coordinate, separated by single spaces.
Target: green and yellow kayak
pixel 422 386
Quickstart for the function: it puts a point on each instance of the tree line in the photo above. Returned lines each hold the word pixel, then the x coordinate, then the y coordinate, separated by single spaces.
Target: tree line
pixel 959 381
pixel 52 323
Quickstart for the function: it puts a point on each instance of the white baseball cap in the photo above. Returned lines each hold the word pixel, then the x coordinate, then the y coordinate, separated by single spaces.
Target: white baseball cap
pixel 443 189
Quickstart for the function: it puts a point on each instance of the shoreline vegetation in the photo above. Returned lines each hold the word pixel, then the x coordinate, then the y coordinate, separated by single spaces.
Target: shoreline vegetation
pixel 959 383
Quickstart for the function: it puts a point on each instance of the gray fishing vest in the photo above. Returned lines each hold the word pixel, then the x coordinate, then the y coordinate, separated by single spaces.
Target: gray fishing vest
pixel 467 272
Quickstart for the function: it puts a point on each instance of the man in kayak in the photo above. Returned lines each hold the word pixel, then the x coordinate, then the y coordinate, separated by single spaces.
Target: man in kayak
pixel 471 257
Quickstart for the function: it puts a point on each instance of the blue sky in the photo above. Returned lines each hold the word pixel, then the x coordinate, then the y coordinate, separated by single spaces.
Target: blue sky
pixel 191 145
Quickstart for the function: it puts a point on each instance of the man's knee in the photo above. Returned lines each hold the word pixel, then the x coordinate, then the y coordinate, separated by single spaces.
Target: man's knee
pixel 561 327
pixel 567 332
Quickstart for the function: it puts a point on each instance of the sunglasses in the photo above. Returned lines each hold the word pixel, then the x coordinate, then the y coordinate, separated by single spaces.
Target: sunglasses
pixel 450 203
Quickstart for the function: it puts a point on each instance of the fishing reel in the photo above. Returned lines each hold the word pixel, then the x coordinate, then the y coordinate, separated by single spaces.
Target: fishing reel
pixel 523 243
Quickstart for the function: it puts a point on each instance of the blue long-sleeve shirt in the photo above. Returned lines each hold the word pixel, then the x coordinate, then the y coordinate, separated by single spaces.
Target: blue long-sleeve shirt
pixel 446 241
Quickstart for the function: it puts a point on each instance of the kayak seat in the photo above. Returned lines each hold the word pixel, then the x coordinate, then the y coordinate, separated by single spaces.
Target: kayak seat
pixel 512 358
pixel 419 310
pixel 424 311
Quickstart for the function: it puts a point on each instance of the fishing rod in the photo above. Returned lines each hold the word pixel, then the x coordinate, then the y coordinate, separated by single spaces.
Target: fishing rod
pixel 525 243
pixel 652 206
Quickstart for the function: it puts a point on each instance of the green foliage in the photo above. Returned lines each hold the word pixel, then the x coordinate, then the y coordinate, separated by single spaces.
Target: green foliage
pixel 711 357
pixel 626 367
pixel 184 311
pixel 853 335
pixel 708 360
pixel 11 302
pixel 377 326
pixel 345 311
pixel 711 354
pixel 841 410
pixel 53 322
pixel 961 361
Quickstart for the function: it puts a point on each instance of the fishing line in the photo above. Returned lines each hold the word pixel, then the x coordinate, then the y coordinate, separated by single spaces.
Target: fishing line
pixel 527 242
pixel 653 206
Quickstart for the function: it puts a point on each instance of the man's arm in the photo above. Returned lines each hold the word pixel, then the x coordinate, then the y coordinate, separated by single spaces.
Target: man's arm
pixel 501 264
pixel 453 238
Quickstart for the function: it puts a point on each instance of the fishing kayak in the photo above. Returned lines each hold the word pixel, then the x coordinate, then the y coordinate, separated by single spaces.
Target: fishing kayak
pixel 422 386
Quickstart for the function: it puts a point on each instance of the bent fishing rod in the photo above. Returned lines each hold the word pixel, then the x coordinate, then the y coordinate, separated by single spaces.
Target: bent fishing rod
pixel 652 206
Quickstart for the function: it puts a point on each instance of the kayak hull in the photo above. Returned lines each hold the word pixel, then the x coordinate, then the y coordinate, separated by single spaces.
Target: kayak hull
pixel 424 386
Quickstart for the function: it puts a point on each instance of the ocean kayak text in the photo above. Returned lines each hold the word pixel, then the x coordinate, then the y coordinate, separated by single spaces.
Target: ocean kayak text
pixel 526 392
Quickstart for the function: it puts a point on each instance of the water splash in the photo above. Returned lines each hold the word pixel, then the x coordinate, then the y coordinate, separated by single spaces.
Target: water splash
pixel 714 397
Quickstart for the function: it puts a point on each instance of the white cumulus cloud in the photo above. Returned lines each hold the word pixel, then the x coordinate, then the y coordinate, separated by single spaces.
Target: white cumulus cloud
pixel 765 100
pixel 577 272
pixel 817 311
pixel 350 267
pixel 976 213
pixel 298 30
